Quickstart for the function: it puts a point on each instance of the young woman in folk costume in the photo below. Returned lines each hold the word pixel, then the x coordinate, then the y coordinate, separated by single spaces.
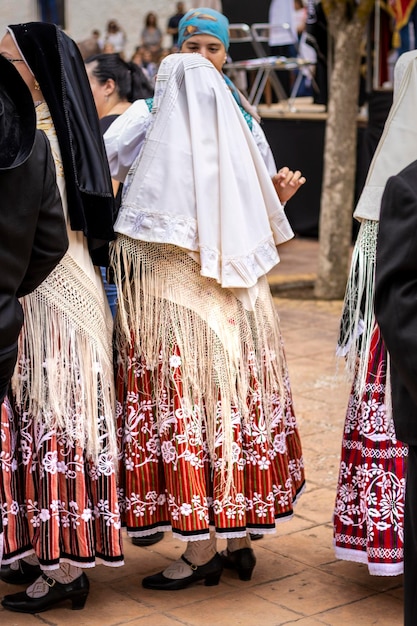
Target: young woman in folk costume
pixel 209 437
pixel 369 511
pixel 59 495
pixel 207 32
pixel 115 84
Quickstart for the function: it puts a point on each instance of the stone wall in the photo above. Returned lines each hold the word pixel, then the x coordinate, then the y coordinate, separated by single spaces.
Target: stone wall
pixel 84 15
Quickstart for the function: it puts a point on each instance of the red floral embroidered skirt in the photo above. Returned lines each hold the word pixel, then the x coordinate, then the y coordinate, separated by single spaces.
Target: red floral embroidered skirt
pixel 54 502
pixel 169 479
pixel 369 510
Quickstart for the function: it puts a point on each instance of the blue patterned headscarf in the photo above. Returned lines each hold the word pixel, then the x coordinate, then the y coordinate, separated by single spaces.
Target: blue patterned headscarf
pixel 204 22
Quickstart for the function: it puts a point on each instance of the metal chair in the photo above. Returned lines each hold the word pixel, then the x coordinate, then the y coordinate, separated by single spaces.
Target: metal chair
pixel 260 43
pixel 240 33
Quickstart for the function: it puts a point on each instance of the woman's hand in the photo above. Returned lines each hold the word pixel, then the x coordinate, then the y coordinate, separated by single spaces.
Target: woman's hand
pixel 287 183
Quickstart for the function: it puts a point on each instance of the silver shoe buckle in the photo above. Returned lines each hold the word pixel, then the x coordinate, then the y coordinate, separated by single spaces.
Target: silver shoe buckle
pixel 49 581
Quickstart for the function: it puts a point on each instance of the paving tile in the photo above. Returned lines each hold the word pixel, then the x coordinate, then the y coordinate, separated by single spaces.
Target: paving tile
pixel 322 470
pixel 295 347
pixel 158 619
pixel 237 609
pixel 317 504
pixel 398 592
pixel 305 621
pixel 358 573
pixel 293 525
pixel 376 610
pixel 304 405
pixel 313 547
pixel 104 607
pixel 318 445
pixel 310 593
pixel 7 618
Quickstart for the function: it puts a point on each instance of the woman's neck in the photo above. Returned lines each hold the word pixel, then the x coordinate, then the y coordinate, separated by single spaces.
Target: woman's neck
pixel 117 108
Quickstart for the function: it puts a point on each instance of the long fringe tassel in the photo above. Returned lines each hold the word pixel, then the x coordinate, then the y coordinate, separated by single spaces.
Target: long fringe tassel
pixel 165 305
pixel 358 317
pixel 64 373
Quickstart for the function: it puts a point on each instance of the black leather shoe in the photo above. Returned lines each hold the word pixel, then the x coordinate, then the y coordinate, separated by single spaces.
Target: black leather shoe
pixel 210 572
pixel 255 536
pixel 24 575
pixel 77 592
pixel 243 561
pixel 149 540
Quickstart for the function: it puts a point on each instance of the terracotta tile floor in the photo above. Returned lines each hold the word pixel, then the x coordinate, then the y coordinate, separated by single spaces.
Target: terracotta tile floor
pixel 297 579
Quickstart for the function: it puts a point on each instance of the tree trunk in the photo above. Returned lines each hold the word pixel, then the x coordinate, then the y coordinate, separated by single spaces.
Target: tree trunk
pixel 335 226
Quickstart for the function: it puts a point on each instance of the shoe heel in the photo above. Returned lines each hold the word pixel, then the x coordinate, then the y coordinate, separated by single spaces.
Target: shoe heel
pixel 212 580
pixel 78 602
pixel 245 574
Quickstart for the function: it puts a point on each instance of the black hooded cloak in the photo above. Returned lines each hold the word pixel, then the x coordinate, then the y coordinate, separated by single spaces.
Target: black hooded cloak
pixel 58 67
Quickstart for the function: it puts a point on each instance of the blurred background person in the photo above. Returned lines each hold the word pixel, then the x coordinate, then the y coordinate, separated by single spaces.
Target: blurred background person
pixel 91 45
pixel 114 39
pixel 174 20
pixel 300 12
pixel 216 5
pixel 283 36
pixel 115 84
pixel 151 34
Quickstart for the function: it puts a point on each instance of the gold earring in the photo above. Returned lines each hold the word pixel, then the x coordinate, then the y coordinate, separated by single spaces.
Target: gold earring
pixel 37 86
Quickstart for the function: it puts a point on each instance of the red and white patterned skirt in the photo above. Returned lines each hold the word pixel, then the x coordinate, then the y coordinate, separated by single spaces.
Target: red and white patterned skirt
pixel 169 479
pixel 369 511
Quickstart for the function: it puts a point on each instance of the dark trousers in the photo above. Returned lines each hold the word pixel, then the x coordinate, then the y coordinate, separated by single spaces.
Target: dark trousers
pixel 284 76
pixel 410 541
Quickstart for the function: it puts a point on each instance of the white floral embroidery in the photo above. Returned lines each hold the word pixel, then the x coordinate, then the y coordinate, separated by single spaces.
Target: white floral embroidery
pixel 369 506
pixel 175 361
pixel 178 441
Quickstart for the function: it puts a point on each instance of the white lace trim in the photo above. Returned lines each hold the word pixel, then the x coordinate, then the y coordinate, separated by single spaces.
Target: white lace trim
pixel 182 231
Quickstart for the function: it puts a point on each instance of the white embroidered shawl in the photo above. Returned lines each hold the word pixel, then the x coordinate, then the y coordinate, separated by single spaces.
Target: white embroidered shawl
pixel 200 182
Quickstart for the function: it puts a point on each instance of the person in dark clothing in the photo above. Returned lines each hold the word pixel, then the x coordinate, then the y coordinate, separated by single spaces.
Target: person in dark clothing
pixel 174 20
pixel 33 236
pixel 317 38
pixel 396 313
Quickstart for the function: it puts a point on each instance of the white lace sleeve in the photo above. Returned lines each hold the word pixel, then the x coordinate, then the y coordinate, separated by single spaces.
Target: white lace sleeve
pixel 264 149
pixel 124 138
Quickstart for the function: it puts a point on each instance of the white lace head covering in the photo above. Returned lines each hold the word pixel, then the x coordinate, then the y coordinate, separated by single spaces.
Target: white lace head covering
pixel 200 182
pixel 397 147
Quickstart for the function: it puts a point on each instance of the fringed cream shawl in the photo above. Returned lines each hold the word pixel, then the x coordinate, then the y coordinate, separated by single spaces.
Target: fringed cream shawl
pixel 171 313
pixel 64 373
pixel 197 232
pixel 396 149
